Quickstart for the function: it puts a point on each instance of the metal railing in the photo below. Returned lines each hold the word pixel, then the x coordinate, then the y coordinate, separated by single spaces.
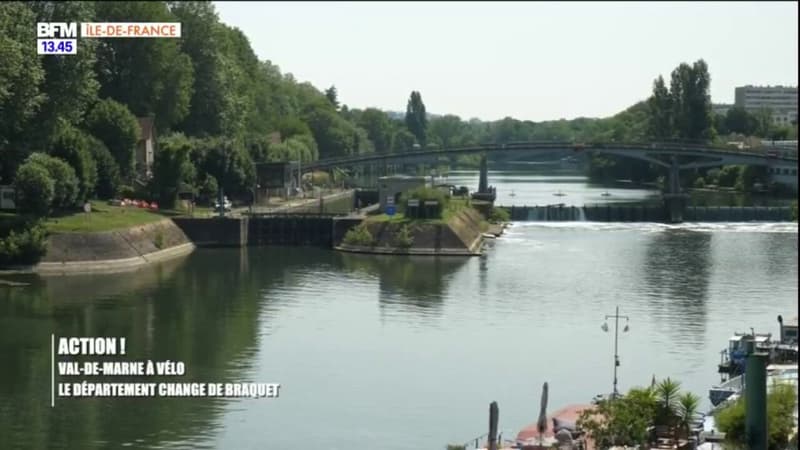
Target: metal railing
pixel 476 442
pixel 672 145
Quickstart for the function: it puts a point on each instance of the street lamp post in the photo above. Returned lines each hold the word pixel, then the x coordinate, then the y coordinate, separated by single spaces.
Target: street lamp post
pixel 616 318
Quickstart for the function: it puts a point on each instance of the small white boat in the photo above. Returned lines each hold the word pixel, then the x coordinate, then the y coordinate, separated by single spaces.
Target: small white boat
pixel 606 194
pixel 559 194
pixel 722 392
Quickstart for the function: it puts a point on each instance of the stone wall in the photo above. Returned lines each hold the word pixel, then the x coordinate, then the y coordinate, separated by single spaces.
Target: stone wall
pixel 115 244
pixel 112 251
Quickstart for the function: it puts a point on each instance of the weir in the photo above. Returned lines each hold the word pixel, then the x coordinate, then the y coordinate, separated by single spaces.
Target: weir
pixel 647 213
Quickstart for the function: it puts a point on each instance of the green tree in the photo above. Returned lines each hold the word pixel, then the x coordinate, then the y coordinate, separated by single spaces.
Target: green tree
pixel 738 120
pixel 228 161
pixel 334 135
pixel 691 101
pixel 378 128
pixel 720 125
pixel 402 141
pixel 763 121
pixel 70 83
pixel 65 183
pixel 21 78
pixel 331 95
pixel 161 84
pixel 781 402
pixel 35 189
pixel 207 188
pixel 108 177
pixel 72 145
pixel 688 407
pixel 446 131
pixel 225 69
pixel 667 395
pixel 172 169
pixel 660 125
pixel 118 129
pixel 416 118
pixel 621 421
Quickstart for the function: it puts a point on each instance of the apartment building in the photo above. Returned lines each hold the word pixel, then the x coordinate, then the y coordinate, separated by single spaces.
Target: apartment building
pixel 781 100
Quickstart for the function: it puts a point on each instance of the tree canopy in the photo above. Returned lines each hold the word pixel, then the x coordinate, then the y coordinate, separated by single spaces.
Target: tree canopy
pixel 234 110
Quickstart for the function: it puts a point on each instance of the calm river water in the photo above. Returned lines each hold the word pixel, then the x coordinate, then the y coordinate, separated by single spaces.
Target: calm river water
pixel 394 352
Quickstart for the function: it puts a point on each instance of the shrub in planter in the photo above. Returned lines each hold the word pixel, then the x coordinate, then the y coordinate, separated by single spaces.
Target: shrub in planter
pixel 403 237
pixel 359 235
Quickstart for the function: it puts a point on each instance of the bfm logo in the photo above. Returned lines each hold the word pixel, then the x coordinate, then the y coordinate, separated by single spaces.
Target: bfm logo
pixel 59 29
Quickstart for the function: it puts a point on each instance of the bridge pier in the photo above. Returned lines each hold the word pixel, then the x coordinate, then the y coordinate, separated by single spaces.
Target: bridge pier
pixel 485 192
pixel 674 198
pixel 483 182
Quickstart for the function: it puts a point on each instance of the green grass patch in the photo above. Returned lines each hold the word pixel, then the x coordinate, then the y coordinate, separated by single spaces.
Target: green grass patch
pixel 103 217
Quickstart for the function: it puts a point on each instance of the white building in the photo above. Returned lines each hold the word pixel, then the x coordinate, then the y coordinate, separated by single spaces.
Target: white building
pixel 781 100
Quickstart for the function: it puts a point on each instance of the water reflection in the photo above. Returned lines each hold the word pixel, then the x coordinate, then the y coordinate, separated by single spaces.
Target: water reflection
pixel 677 268
pixel 413 283
pixel 158 309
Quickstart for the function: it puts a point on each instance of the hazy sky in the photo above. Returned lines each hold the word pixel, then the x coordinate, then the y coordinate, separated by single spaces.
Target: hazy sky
pixel 535 61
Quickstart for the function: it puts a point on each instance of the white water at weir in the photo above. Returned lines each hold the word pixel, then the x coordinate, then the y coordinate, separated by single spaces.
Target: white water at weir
pixel 656 227
pixel 556 213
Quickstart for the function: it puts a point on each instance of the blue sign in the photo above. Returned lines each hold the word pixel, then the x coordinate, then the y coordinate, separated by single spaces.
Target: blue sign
pixel 390 210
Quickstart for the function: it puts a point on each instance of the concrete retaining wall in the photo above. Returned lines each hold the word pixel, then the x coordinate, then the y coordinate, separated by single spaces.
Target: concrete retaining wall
pixel 461 236
pixel 113 250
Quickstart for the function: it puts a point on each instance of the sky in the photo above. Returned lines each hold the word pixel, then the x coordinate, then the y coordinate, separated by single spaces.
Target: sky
pixel 531 61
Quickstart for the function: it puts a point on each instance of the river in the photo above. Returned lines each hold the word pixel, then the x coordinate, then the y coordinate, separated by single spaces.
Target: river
pixel 396 352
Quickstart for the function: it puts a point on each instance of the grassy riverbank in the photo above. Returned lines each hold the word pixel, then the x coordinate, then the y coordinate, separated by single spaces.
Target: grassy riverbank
pixel 103 217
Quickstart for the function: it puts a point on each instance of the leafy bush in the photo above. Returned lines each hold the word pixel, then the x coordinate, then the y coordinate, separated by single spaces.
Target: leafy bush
pixel 427 193
pixel 113 124
pixel 780 404
pixel 72 145
pixel 65 183
pixel 626 420
pixel 25 246
pixel 173 168
pixel 126 191
pixel 699 183
pixel 424 194
pixel 208 189
pixel 359 235
pixel 728 175
pixel 499 215
pixel 108 177
pixel 35 189
pixel 403 237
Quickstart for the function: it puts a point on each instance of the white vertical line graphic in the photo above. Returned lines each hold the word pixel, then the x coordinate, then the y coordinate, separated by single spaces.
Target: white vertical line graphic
pixel 52 370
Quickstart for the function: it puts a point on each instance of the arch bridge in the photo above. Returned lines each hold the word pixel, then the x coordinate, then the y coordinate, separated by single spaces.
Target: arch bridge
pixel 673 156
